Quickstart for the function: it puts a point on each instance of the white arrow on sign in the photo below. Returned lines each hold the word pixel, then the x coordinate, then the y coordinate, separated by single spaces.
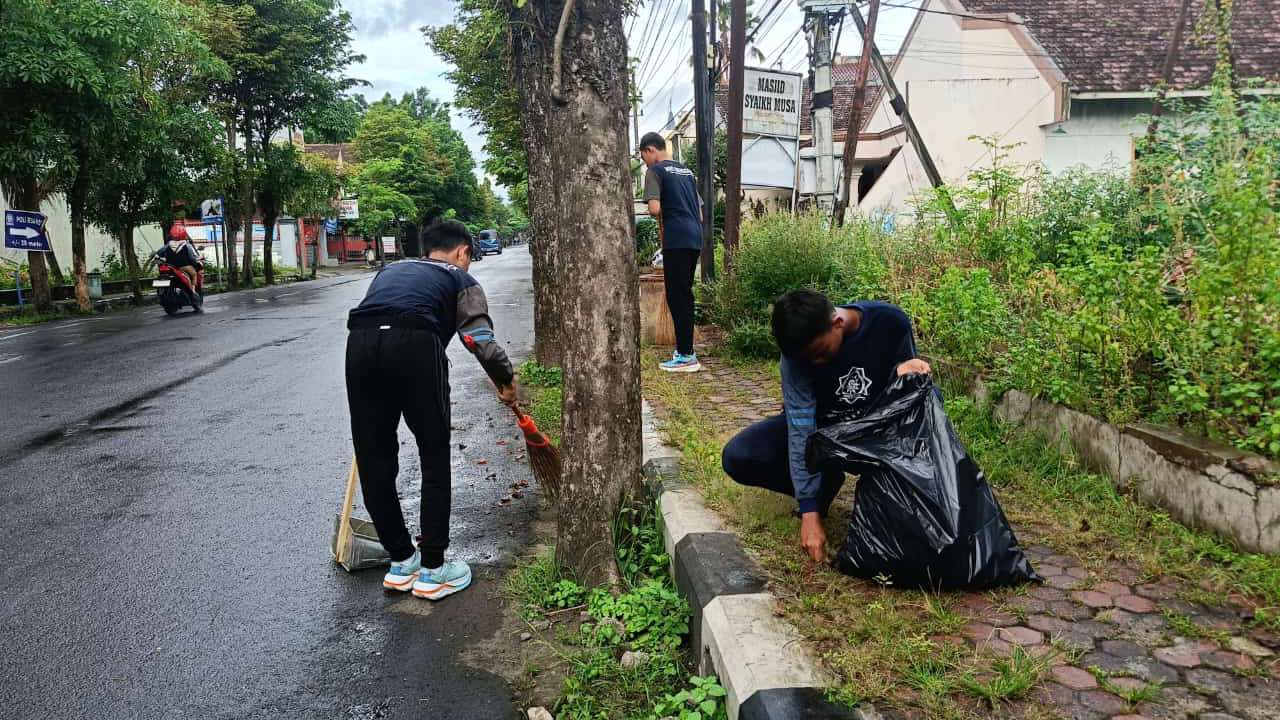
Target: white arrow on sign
pixel 25 232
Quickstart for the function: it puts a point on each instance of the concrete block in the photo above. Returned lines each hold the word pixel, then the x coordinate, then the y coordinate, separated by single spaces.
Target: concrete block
pixel 708 565
pixel 682 512
pixel 1268 514
pixel 1013 407
pixel 752 649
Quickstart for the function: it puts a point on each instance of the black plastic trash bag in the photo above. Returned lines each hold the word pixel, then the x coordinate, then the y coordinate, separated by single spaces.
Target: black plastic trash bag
pixel 924 515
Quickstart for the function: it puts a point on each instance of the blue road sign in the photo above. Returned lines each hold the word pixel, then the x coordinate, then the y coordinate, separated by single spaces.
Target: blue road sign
pixel 24 230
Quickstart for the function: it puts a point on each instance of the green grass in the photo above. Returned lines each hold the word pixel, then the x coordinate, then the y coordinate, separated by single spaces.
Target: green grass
pixel 544 387
pixel 1010 678
pixel 30 317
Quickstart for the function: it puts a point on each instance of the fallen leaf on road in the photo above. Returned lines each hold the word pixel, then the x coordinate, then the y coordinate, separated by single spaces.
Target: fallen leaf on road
pixel 517 494
pixel 462 446
pixel 524 483
pixel 482 461
pixel 502 442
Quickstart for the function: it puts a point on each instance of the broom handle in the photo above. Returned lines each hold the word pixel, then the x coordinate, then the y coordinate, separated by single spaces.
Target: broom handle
pixel 344 524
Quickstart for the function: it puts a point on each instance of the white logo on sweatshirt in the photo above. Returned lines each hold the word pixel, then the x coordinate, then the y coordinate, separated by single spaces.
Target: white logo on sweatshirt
pixel 854 386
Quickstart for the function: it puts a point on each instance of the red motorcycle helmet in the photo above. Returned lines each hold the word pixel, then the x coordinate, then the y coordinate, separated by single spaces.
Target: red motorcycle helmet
pixel 178 232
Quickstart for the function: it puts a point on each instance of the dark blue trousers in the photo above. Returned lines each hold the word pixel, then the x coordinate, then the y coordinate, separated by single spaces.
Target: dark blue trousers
pixel 758 457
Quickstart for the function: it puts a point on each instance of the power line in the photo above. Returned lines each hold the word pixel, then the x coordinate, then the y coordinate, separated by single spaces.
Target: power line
pixel 650 22
pixel 651 69
pixel 660 37
pixel 952 14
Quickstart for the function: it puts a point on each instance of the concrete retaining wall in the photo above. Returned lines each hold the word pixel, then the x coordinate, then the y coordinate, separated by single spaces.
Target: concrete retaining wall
pixel 1201 483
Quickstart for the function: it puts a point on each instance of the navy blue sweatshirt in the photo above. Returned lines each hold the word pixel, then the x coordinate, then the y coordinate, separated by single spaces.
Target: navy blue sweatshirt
pixel 436 296
pixel 819 395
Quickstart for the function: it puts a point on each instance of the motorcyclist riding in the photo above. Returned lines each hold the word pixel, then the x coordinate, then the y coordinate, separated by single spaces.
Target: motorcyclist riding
pixel 182 254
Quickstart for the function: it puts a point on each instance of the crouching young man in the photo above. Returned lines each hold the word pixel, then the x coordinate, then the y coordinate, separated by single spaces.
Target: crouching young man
pixel 835 361
pixel 396 367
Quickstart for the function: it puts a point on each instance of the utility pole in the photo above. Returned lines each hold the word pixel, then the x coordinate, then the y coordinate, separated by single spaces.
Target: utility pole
pixel 818 26
pixel 634 98
pixel 899 105
pixel 703 118
pixel 854 121
pixel 733 183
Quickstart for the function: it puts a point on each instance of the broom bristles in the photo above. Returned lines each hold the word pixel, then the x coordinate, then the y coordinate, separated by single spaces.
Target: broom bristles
pixel 544 458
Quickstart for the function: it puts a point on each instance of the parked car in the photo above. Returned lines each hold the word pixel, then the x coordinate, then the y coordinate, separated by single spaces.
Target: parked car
pixel 489 242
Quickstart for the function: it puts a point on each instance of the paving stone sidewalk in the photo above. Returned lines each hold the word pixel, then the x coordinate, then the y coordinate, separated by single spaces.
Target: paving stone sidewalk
pixel 1125 646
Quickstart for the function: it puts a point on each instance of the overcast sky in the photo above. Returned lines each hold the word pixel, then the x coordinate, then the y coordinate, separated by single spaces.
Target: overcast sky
pixel 389 33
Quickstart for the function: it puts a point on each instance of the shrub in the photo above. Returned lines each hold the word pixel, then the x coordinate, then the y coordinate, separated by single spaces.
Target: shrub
pixel 1157 299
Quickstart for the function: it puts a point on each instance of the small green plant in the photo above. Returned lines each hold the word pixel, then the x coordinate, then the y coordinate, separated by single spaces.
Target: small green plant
pixel 1011 678
pixel 641 550
pixel 702 700
pixel 654 614
pixel 565 594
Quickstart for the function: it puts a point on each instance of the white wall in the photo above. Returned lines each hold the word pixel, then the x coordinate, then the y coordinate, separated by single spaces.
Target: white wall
pixel 97 243
pixel 959 83
pixel 1098 135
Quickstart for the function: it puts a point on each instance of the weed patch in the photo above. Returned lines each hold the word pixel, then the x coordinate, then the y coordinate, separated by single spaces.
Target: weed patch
pixel 624 659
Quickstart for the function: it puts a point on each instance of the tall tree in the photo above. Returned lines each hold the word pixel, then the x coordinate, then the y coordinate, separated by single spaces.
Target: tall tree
pixel 161 145
pixel 102 55
pixel 479 47
pixel 33 142
pixel 571 71
pixel 289 61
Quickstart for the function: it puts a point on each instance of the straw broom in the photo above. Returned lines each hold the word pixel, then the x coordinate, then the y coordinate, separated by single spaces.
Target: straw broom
pixel 544 457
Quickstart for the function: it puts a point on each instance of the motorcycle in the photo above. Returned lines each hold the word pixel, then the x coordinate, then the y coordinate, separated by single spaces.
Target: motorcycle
pixel 174 287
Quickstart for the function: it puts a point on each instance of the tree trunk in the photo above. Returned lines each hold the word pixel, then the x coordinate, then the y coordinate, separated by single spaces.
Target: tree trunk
pixel 78 197
pixel 247 208
pixel 579 186
pixel 268 234
pixel 231 218
pixel 41 295
pixel 532 53
pixel 55 270
pixel 131 262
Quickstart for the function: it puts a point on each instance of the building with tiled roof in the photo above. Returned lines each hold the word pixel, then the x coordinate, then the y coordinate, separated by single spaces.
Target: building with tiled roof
pixel 1063 82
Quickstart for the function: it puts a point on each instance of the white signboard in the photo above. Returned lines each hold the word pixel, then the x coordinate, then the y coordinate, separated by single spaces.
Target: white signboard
pixel 388 245
pixel 211 210
pixel 348 209
pixel 771 103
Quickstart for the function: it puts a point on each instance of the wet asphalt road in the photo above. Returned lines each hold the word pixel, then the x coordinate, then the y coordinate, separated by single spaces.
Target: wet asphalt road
pixel 168 489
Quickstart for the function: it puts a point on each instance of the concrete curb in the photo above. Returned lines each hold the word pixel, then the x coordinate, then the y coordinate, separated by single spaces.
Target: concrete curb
pixel 735 633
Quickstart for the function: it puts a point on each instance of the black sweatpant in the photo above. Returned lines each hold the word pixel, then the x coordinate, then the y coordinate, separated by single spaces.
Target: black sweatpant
pixel 677 272
pixel 392 373
pixel 758 456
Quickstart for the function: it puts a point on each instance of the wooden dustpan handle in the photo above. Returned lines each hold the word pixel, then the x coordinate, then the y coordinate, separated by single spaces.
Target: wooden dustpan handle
pixel 344 522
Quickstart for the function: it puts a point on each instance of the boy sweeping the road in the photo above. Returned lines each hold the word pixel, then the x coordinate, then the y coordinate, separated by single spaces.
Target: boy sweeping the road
pixel 835 362
pixel 397 367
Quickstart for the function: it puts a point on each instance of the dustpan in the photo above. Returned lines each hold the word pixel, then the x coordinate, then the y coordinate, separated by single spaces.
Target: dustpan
pixel 355 543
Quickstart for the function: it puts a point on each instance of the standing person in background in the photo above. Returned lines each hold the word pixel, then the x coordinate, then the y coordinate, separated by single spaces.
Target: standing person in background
pixel 671 192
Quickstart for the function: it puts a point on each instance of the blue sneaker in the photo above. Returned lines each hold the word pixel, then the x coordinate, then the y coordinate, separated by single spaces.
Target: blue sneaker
pixel 682 363
pixel 402 574
pixel 454 576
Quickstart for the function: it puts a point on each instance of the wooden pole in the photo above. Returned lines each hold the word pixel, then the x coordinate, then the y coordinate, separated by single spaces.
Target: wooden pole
pixel 854 123
pixel 1166 74
pixel 733 183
